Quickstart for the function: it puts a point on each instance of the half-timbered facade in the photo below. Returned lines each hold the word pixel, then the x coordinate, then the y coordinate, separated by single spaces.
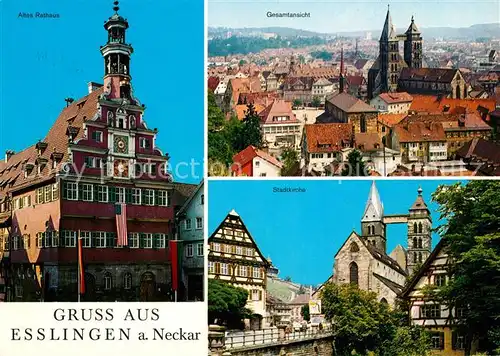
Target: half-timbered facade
pixel 439 319
pixel 235 258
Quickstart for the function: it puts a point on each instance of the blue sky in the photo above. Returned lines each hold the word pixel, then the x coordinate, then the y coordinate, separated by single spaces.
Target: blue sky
pixel 301 232
pixel 44 61
pixel 331 16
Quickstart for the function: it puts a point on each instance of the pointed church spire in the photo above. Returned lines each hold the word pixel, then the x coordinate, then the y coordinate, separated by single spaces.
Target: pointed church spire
pixel 413 29
pixel 419 203
pixel 388 32
pixel 341 78
pixel 374 210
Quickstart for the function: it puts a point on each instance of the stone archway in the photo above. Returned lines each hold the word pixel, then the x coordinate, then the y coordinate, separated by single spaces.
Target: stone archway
pixel 148 287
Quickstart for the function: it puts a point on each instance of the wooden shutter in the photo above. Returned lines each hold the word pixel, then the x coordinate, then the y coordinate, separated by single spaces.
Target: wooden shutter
pixel 109 239
pixel 42 196
pixel 93 239
pixel 128 195
pixel 260 295
pixel 80 191
pixel 96 192
pixel 62 242
pixel 112 194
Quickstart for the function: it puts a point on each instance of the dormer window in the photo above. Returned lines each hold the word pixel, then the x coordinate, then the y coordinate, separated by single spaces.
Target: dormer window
pixel 41 146
pixel 144 142
pixel 97 136
pixel 28 168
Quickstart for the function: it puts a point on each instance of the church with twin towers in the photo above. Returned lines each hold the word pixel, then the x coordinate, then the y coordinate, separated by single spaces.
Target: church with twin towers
pixel 363 259
pixel 384 74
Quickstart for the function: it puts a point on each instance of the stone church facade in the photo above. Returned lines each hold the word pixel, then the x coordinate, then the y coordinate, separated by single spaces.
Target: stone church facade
pixel 384 74
pixel 363 258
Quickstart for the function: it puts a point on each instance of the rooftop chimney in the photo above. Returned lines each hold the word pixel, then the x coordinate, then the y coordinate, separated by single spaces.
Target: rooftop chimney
pixel 93 86
pixel 8 155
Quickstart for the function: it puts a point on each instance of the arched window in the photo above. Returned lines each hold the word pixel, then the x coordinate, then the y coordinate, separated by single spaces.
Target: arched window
pixel 458 94
pixel 414 257
pixel 419 242
pixel 415 228
pixel 354 247
pixel 362 123
pixel 353 273
pixel 108 281
pixel 127 281
pixel 383 300
pixel 420 257
pixel 415 243
pixel 420 227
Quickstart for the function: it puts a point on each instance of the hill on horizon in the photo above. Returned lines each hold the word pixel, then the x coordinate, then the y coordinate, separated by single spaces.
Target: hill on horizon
pixel 471 32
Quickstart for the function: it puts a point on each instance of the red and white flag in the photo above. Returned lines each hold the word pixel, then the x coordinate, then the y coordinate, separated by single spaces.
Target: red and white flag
pixel 121 224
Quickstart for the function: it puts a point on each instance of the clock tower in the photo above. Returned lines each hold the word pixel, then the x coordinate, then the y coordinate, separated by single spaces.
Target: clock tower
pixel 116 53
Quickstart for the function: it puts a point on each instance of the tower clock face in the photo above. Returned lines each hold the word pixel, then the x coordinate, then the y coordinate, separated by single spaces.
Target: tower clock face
pixel 121 144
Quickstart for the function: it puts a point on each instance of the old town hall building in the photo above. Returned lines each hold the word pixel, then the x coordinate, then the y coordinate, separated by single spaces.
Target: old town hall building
pixel 97 165
pixel 363 258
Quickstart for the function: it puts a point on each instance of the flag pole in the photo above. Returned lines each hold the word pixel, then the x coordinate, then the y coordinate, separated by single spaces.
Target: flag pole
pixel 78 262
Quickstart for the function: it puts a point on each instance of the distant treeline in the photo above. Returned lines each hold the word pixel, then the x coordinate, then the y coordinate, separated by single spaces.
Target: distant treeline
pixel 245 45
pixel 324 55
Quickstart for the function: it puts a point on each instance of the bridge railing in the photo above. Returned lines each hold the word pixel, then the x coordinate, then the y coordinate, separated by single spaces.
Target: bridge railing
pixel 239 339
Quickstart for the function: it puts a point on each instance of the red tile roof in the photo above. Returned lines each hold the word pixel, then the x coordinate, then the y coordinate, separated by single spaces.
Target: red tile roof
pixel 367 141
pixel 275 109
pixel 350 104
pixel 75 114
pixel 248 154
pixel 212 83
pixel 465 121
pixel 434 75
pixel 434 104
pixel 391 119
pixel 355 80
pixel 420 132
pixel 484 153
pixel 394 98
pixel 328 137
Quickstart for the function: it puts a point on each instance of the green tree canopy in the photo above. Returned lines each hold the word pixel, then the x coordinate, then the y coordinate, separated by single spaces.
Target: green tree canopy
pixel 363 325
pixel 354 165
pixel 304 312
pixel 250 130
pixel 226 304
pixel 472 237
pixel 316 102
pixel 290 159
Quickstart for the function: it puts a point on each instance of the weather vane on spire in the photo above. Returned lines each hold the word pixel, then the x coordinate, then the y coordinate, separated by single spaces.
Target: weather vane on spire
pixel 116 7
